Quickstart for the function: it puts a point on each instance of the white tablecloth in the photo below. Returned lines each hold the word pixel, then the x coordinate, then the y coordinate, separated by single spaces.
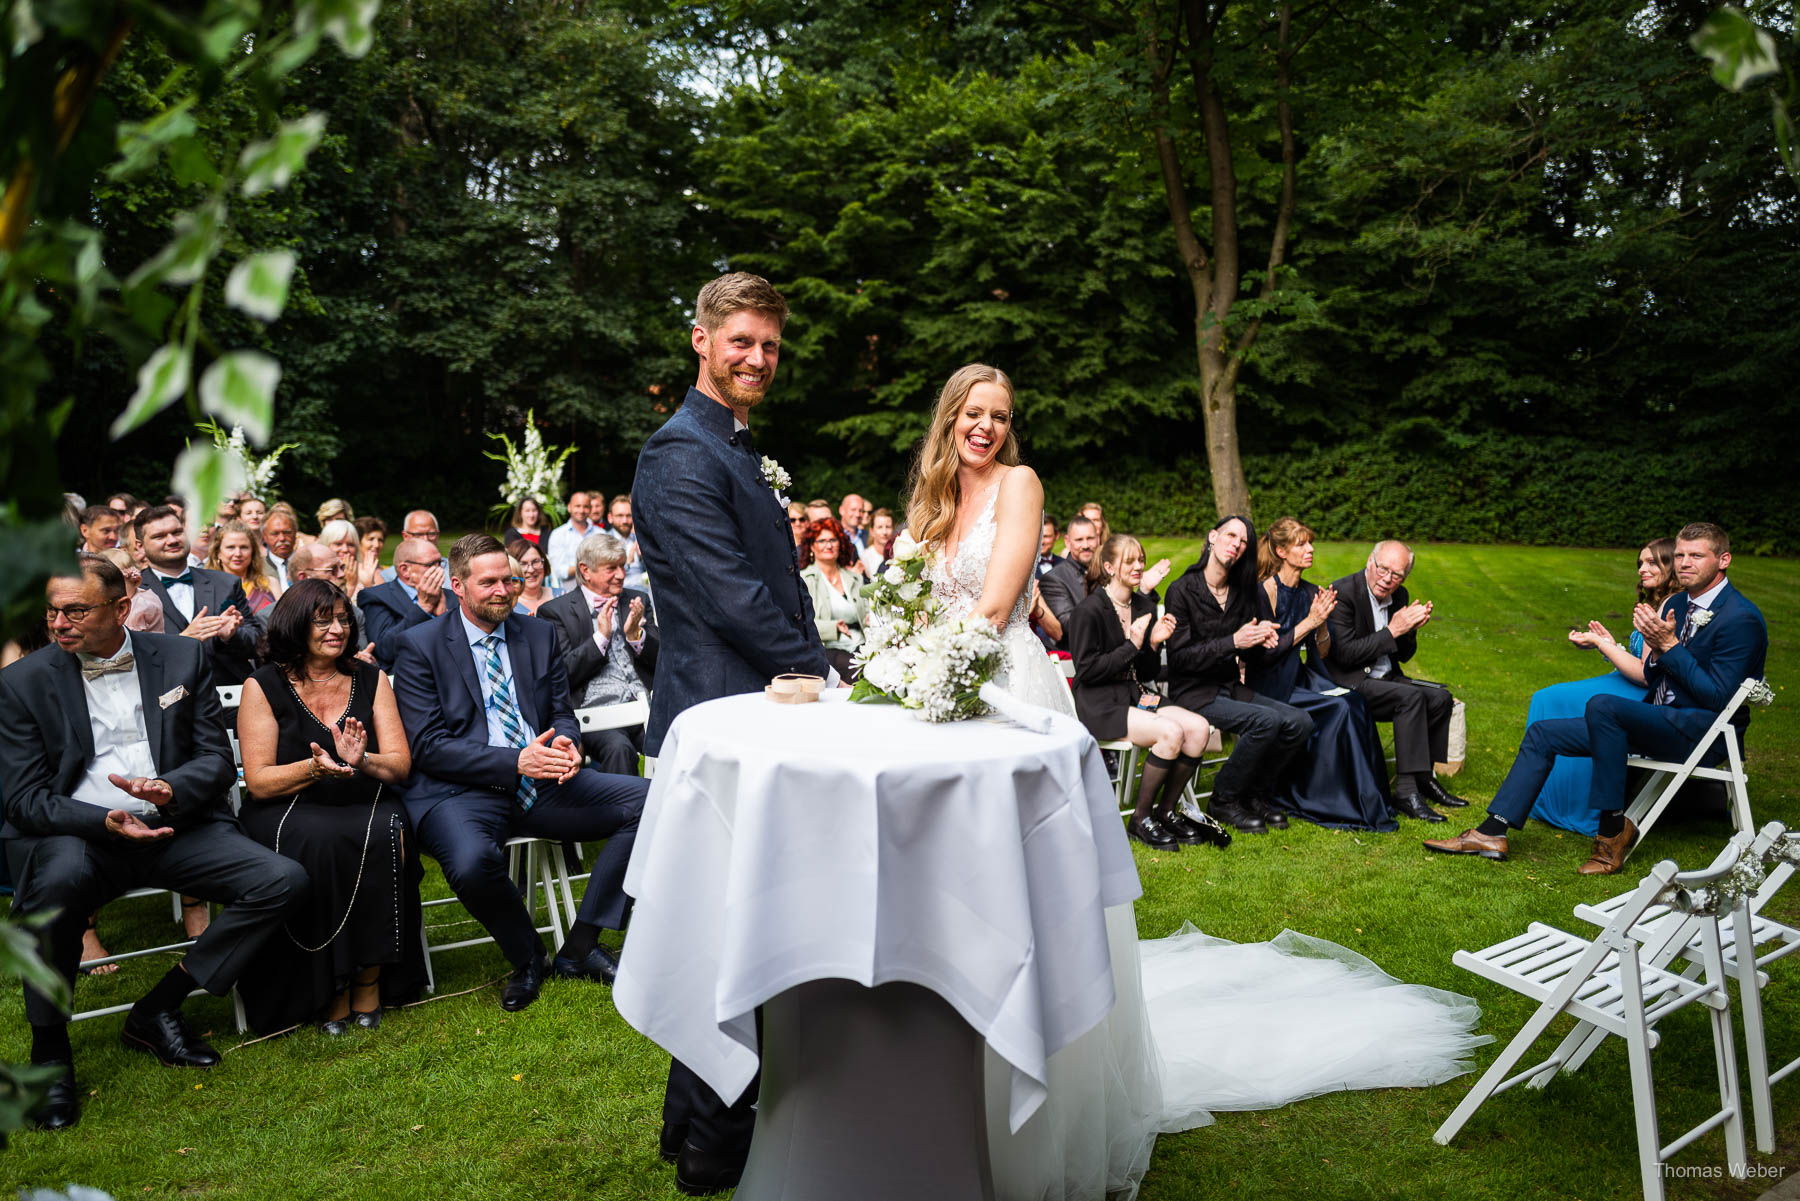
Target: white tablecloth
pixel 788 843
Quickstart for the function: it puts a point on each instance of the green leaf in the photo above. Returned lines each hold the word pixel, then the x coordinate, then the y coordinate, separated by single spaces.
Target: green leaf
pixel 1740 52
pixel 19 948
pixel 271 163
pixel 198 235
pixel 349 23
pixel 191 164
pixel 162 378
pixel 259 284
pixel 865 693
pixel 204 475
pixel 239 389
pixel 141 141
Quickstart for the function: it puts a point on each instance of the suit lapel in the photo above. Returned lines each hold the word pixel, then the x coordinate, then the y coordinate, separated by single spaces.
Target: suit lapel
pixel 173 621
pixel 74 703
pixel 463 656
pixel 526 674
pixel 150 681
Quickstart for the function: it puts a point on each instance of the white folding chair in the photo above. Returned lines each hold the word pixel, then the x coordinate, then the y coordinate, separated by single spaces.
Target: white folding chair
pixel 1667 777
pixel 1614 986
pixel 543 869
pixel 613 717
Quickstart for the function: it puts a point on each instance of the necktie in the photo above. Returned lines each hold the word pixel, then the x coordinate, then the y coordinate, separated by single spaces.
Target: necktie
pixel 1665 695
pixel 93 669
pixel 186 577
pixel 500 688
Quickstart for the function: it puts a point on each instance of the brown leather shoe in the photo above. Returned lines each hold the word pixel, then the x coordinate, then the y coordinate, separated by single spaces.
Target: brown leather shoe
pixel 1470 842
pixel 1609 853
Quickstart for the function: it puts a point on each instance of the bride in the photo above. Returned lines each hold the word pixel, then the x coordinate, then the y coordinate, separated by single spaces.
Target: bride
pixel 1156 1062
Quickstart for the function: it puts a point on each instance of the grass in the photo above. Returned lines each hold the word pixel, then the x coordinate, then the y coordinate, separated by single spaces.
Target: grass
pixel 456 1098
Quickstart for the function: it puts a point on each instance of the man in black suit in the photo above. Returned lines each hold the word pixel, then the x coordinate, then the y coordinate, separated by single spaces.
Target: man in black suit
pixel 197 603
pixel 1374 629
pixel 485 701
pixel 607 639
pixel 116 769
pixel 413 597
pixel 715 539
pixel 1065 585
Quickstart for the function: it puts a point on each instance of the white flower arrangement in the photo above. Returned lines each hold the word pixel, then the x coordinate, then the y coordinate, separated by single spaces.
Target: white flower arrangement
pixel 1761 693
pixel 909 659
pixel 530 471
pixel 1699 617
pixel 259 470
pixel 777 478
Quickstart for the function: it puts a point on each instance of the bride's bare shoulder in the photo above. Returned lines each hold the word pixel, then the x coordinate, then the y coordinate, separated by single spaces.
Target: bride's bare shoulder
pixel 1020 486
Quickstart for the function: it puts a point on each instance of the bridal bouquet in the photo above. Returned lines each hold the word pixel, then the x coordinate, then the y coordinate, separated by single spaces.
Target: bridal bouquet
pixel 914 658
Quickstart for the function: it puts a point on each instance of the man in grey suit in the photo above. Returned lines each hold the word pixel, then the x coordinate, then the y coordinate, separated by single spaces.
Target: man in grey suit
pixel 116 763
pixel 197 603
pixel 734 611
pixel 608 641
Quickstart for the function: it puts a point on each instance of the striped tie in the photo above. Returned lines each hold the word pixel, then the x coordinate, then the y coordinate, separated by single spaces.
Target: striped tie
pixel 500 688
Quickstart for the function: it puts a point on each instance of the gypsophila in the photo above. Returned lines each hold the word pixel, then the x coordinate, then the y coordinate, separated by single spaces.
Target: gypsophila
pixel 259 471
pixel 910 658
pixel 777 478
pixel 1761 693
pixel 1698 618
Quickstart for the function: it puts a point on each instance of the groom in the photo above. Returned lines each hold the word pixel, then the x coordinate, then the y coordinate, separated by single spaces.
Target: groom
pixel 733 610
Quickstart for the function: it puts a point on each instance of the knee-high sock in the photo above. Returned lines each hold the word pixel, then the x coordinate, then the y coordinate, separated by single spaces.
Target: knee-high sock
pixel 1150 784
pixel 1179 775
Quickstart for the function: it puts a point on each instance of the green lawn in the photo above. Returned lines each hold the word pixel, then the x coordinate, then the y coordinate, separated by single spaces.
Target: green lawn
pixel 455 1098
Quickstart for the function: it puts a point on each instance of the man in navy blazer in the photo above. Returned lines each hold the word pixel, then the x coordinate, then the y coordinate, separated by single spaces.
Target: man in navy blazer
pixel 734 611
pixel 413 597
pixel 1707 641
pixel 485 701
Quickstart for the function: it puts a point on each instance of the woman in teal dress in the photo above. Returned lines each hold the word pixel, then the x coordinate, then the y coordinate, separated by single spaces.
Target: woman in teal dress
pixel 1564 800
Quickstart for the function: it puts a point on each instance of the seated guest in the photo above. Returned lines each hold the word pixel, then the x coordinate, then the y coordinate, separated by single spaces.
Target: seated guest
pixel 280 534
pixel 113 749
pixel 209 606
pixel 413 597
pixel 371 540
pixel 607 639
pixel 419 526
pixel 1115 639
pixel 619 521
pixel 1064 585
pixel 1047 560
pixel 881 542
pixel 332 510
pixel 146 611
pixel 797 522
pixel 526 522
pixel 99 529
pixel 1217 630
pixel 237 552
pixel 341 536
pixel 1373 630
pixel 316 561
pixel 565 540
pixel 532 570
pixel 1094 513
pixel 1339 779
pixel 252 512
pixel 474 685
pixel 835 594
pixel 324 759
pixel 1707 642
pixel 851 511
pixel 125 505
pixel 1564 799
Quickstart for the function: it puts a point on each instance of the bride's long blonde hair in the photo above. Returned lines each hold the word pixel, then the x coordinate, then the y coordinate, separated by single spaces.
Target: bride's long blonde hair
pixel 931 511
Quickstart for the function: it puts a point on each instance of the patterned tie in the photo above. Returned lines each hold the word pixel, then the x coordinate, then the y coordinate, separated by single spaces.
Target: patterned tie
pixel 1665 695
pixel 93 669
pixel 500 688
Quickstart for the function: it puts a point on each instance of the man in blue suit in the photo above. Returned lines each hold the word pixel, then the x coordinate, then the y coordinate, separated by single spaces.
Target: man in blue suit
pixel 485 701
pixel 1706 642
pixel 413 597
pixel 733 610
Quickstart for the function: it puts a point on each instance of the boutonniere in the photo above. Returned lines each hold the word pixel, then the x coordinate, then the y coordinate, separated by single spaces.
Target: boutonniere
pixel 777 478
pixel 1700 617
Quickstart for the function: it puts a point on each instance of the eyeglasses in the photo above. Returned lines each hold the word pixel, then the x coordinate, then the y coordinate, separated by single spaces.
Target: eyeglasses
pixel 796 521
pixel 76 614
pixel 1388 573
pixel 322 624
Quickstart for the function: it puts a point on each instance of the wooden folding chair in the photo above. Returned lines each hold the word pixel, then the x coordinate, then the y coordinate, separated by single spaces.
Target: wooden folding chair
pixel 1614 986
pixel 1667 777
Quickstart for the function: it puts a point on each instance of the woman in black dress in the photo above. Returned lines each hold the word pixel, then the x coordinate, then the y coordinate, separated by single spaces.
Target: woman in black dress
pixel 1340 779
pixel 1115 639
pixel 324 758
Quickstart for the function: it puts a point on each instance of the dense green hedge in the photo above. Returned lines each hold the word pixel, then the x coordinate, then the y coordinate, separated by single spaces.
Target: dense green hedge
pixel 1501 488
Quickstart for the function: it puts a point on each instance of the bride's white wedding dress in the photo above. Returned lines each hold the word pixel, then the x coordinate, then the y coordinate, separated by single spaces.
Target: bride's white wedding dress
pixel 1198 1023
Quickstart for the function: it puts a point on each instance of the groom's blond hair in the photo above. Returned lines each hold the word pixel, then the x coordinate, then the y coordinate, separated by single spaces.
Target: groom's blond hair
pixel 734 293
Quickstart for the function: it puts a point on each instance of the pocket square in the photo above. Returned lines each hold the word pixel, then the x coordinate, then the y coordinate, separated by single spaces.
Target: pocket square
pixel 172 695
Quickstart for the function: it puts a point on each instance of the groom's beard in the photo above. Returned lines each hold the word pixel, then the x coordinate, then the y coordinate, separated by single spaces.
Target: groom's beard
pixel 734 393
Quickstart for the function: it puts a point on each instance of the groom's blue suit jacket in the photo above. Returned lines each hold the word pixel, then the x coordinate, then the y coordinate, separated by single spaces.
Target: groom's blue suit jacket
pixel 732 608
pixel 1703 672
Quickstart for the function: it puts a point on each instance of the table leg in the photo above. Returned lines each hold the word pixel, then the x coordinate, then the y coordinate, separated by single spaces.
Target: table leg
pixel 872 1093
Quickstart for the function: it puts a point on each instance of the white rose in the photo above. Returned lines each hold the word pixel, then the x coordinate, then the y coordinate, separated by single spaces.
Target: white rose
pixel 907 547
pixel 909 590
pixel 894 574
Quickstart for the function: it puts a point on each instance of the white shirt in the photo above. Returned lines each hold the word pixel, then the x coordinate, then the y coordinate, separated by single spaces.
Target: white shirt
pixel 496 731
pixel 1384 666
pixel 121 742
pixel 279 566
pixel 181 594
pixel 564 541
pixel 1703 601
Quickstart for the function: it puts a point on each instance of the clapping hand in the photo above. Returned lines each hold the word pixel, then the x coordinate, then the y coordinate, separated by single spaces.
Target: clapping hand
pixel 1659 632
pixel 1154 575
pixel 1138 628
pixel 544 759
pixel 203 626
pixel 1323 602
pixel 1256 633
pixel 324 765
pixel 229 621
pixel 366 655
pixel 1161 631
pixel 1410 618
pixel 1592 638
pixel 634 620
pixel 144 788
pixel 604 618
pixel 352 741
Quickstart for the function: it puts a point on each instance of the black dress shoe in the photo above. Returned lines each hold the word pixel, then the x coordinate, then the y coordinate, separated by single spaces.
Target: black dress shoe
pixel 1435 793
pixel 669 1142
pixel 599 965
pixel 165 1035
pixel 1152 834
pixel 332 1027
pixel 1412 805
pixel 1205 832
pixel 523 986
pixel 368 1020
pixel 1233 812
pixel 698 1172
pixel 1272 817
pixel 61 1106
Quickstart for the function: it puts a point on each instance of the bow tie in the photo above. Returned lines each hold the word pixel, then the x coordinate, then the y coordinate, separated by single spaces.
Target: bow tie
pixel 186 577
pixel 93 669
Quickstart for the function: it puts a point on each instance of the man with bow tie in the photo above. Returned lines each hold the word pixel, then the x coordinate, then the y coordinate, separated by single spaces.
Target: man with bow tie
pixel 117 769
pixel 209 606
pixel 1707 640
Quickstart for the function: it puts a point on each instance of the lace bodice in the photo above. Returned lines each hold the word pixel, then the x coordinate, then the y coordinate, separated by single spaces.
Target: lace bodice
pixel 957 585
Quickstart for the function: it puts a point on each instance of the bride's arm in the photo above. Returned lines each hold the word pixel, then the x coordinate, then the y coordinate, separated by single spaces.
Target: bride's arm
pixel 1019 518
